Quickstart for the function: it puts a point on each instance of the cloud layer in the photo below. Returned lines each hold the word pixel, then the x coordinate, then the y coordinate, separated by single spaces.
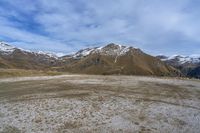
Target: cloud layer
pixel 156 26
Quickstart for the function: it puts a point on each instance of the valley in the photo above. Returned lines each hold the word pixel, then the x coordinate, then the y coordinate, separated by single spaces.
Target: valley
pixel 112 88
pixel 99 66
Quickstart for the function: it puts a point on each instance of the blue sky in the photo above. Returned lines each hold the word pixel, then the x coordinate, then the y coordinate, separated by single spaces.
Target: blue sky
pixel 155 26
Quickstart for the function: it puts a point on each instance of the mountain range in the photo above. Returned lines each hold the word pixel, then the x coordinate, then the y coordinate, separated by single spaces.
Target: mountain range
pixel 12 57
pixel 106 60
pixel 117 59
pixel 188 65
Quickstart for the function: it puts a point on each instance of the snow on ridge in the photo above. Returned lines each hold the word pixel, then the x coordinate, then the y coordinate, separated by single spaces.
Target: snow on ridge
pixel 47 53
pixel 59 54
pixel 184 59
pixel 113 50
pixel 110 49
pixel 6 48
pixel 50 54
pixel 83 53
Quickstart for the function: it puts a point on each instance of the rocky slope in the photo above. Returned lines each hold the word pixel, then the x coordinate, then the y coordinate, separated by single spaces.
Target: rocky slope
pixel 116 59
pixel 12 57
pixel 109 59
pixel 188 65
pixel 181 60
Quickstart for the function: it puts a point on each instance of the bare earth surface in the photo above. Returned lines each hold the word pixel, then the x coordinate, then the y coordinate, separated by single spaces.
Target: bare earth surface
pixel 100 104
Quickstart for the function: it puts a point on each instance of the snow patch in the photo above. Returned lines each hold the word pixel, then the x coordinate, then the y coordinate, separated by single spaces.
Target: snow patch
pixel 6 48
pixel 110 49
pixel 52 55
pixel 184 59
pixel 83 53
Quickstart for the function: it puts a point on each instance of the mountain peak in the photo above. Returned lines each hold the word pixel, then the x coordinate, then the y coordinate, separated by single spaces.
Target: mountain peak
pixel 109 59
pixel 114 49
pixel 180 59
pixel 111 49
pixel 114 46
pixel 6 48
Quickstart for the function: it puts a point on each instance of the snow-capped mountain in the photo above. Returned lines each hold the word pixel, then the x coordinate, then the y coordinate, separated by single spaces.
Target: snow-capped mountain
pixel 83 53
pixel 180 60
pixel 7 49
pixel 13 57
pixel 110 49
pixel 188 65
pixel 116 59
pixel 108 59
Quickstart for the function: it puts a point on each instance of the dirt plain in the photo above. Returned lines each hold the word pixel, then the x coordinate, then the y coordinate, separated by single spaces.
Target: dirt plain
pixel 100 104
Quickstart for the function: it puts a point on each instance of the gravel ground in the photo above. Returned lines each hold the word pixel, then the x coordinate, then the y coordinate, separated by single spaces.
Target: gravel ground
pixel 100 104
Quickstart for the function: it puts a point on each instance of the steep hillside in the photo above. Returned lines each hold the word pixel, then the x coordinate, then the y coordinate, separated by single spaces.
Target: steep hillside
pixel 117 59
pixel 107 60
pixel 12 57
pixel 194 72
pixel 188 65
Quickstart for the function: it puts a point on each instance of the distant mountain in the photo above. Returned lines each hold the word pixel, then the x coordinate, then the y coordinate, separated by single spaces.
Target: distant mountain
pixel 188 65
pixel 116 59
pixel 12 57
pixel 181 60
pixel 8 49
pixel 194 72
pixel 110 50
pixel 109 59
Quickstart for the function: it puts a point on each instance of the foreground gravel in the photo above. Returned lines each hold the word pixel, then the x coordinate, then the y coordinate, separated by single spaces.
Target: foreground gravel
pixel 102 104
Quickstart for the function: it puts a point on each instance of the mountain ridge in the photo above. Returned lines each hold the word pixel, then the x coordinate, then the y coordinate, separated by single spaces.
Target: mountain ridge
pixel 8 49
pixel 188 65
pixel 13 57
pixel 116 59
pixel 181 59
pixel 109 59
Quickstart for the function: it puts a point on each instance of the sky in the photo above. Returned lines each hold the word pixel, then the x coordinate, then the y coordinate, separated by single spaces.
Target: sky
pixel 64 26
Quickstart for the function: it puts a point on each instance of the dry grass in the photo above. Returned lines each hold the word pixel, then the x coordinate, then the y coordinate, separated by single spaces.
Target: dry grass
pixel 100 104
pixel 4 73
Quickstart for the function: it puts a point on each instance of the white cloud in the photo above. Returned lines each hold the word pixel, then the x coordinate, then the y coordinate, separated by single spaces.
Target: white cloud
pixel 151 25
